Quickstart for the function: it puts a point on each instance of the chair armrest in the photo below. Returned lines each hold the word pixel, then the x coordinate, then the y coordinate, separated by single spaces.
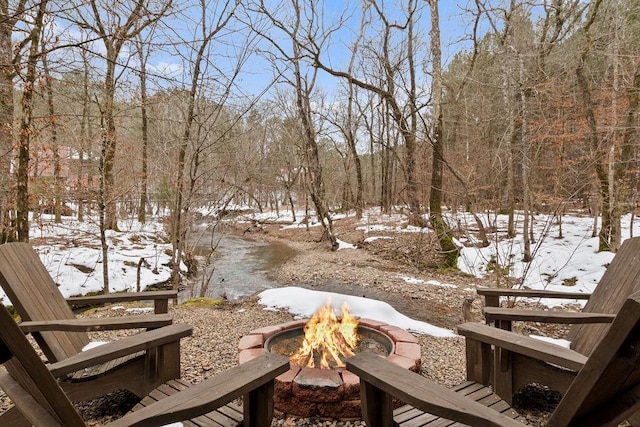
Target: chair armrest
pixel 381 379
pixel 515 314
pixel 98 324
pixel 211 394
pixel 122 347
pixel 492 295
pixel 160 298
pixel 524 345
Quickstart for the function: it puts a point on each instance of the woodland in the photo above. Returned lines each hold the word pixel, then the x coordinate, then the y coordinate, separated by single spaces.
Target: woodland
pixel 114 109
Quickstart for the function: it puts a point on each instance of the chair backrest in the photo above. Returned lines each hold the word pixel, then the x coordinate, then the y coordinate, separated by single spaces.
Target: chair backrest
pixel 28 382
pixel 621 279
pixel 28 285
pixel 605 391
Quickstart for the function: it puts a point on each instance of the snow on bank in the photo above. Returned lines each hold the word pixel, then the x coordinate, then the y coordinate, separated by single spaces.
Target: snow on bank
pixel 304 302
pixel 567 263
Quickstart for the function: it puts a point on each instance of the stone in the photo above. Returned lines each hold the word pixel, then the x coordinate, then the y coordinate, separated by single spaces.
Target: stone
pixel 402 336
pixel 293 324
pixel 318 385
pixel 347 409
pixel 283 383
pixel 295 406
pixel 387 328
pixel 351 385
pixel 251 341
pixel 404 362
pixel 267 331
pixel 330 393
pixel 409 350
pixel 374 324
pixel 251 353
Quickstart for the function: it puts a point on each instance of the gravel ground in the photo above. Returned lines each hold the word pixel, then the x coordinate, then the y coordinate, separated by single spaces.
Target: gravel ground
pixel 379 269
pixel 213 348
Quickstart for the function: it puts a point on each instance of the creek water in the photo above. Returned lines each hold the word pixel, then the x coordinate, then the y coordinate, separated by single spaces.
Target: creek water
pixel 240 268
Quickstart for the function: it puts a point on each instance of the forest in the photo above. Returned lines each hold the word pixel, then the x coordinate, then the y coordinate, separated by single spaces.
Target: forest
pixel 114 109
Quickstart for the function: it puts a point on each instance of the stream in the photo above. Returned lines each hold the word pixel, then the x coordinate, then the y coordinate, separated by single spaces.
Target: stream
pixel 241 269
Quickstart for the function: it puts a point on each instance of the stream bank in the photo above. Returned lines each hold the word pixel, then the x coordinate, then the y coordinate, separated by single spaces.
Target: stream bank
pixel 245 265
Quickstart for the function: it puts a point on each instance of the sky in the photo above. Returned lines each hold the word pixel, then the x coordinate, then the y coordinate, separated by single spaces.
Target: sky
pixel 173 46
pixel 569 264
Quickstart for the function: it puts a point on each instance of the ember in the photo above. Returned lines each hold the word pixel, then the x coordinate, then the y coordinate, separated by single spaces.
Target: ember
pixel 327 339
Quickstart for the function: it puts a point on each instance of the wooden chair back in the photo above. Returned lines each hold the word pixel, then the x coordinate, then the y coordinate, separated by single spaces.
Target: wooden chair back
pixel 28 285
pixel 621 279
pixel 605 391
pixel 29 383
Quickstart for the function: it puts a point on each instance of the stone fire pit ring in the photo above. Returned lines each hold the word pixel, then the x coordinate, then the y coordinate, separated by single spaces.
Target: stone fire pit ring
pixel 326 393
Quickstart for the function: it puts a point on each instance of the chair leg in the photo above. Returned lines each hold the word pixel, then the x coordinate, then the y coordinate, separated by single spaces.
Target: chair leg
pixel 258 406
pixel 377 406
pixel 479 362
pixel 161 365
pixel 503 374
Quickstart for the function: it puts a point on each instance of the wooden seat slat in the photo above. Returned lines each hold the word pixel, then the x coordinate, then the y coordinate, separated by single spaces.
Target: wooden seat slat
pixel 408 416
pixel 229 415
pixel 408 413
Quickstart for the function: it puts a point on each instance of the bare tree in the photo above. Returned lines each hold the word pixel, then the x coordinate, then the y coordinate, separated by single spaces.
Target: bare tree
pixel 116 24
pixel 58 185
pixel 593 138
pixel 402 102
pixel 8 19
pixel 303 82
pixel 144 128
pixel 442 229
pixel 26 130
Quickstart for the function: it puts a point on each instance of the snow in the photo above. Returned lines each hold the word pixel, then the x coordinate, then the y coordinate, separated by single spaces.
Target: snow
pixel 414 281
pixel 71 253
pixel 304 302
pixel 570 263
pixel 344 245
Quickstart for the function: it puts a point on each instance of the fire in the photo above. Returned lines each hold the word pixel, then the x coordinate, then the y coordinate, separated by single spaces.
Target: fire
pixel 328 339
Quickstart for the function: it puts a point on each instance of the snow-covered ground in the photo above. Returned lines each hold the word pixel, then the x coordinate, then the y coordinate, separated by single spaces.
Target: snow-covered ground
pixel 71 252
pixel 570 263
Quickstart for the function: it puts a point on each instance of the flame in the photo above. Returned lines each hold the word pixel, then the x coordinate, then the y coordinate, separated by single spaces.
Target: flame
pixel 328 338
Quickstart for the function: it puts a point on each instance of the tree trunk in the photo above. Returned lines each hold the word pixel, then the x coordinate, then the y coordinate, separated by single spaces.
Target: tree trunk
pixel 58 185
pixel 442 229
pixel 526 255
pixel 102 210
pixel 142 207
pixel 351 142
pixel 623 181
pixel 85 138
pixel 109 141
pixel 26 131
pixel 6 120
pixel 592 136
pixel 316 181
pixel 115 26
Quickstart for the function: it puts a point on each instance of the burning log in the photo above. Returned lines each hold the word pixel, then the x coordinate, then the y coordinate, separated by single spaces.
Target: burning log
pixel 327 339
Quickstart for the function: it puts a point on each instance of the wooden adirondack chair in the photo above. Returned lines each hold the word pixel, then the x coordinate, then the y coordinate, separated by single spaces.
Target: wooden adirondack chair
pixel 515 367
pixel 604 393
pixel 48 316
pixel 39 400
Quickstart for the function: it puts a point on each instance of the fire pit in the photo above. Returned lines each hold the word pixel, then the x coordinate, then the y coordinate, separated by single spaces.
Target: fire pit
pixel 288 341
pixel 334 392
